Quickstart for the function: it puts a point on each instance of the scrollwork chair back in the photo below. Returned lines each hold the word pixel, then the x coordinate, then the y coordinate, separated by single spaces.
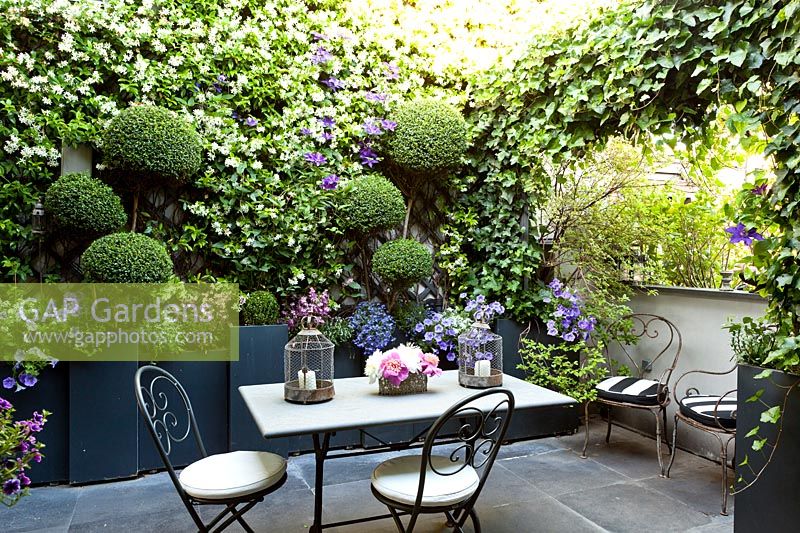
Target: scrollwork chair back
pixel 167 412
pixel 483 421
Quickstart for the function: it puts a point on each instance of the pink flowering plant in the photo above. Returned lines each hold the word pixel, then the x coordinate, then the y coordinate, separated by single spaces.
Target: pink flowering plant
pixel 396 364
pixel 18 448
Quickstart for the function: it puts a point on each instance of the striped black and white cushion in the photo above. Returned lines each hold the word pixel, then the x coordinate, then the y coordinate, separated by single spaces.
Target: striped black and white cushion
pixel 631 390
pixel 701 409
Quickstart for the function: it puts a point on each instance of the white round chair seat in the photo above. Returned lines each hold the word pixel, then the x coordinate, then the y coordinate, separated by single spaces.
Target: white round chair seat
pixel 398 479
pixel 231 475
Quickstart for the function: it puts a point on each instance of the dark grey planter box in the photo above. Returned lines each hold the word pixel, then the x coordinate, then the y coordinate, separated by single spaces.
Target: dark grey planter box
pixel 260 361
pixel 769 504
pixel 51 393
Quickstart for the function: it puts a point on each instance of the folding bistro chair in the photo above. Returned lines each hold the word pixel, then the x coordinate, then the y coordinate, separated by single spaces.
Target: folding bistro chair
pixel 638 392
pixel 236 480
pixel 450 485
pixel 712 413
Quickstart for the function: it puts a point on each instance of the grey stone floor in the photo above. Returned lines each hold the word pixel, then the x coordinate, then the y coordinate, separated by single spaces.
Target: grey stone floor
pixel 535 486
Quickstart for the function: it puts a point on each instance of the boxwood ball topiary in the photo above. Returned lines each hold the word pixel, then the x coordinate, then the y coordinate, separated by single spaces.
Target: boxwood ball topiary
pixel 260 308
pixel 402 262
pixel 371 204
pixel 149 140
pixel 430 136
pixel 82 204
pixel 126 258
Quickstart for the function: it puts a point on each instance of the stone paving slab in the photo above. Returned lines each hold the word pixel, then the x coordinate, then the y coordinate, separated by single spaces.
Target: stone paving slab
pixel 536 486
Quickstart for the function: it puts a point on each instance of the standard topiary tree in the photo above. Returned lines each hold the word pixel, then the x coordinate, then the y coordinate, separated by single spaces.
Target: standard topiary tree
pixel 371 204
pixel 149 141
pixel 431 136
pixel 260 308
pixel 402 262
pixel 84 205
pixel 126 258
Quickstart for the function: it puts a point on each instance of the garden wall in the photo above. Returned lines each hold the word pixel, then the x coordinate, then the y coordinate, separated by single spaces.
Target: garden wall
pixel 699 315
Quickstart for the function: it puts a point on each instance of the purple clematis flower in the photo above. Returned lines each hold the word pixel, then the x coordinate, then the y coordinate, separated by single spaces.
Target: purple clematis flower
pixel 370 128
pixel 327 122
pixel 315 158
pixel 327 136
pixel 376 98
pixel 306 131
pixel 321 56
pixel 251 121
pixel 222 78
pixel 330 182
pixel 368 157
pixel 760 190
pixel 317 36
pixel 334 84
pixel 388 125
pixel 392 71
pixel 234 115
pixel 739 233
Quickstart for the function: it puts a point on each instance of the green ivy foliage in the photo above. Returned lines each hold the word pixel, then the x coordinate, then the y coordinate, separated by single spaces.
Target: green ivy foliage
pixel 402 262
pixel 370 204
pixel 431 136
pixel 150 141
pixel 126 258
pixel 261 307
pixel 82 205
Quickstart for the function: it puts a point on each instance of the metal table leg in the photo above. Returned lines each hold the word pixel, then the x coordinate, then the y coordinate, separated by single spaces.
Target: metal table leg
pixel 320 454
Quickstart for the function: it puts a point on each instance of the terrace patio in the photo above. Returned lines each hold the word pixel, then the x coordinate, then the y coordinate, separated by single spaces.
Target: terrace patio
pixel 540 485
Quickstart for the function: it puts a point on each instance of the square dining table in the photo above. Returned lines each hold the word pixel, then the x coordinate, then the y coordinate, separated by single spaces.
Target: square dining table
pixel 358 406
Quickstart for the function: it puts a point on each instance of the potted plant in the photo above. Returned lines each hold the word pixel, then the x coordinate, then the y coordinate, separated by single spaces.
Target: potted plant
pixel 767 426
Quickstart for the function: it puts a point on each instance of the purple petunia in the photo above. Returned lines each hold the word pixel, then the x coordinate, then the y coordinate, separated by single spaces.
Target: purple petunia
pixel 251 121
pixel 334 84
pixel 315 158
pixel 27 379
pixel 327 122
pixel 388 125
pixel 9 383
pixel 330 182
pixel 11 487
pixel 370 128
pixel 5 404
pixel 321 56
pixel 739 233
pixel 377 98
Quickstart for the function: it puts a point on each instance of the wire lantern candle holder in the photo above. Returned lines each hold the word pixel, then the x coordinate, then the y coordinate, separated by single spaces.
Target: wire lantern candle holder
pixel 308 366
pixel 480 357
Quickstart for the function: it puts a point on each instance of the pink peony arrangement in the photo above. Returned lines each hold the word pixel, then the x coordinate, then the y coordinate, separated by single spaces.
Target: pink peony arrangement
pixel 396 364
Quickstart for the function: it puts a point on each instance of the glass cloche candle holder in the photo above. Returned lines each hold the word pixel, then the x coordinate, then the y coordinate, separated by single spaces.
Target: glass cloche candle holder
pixel 308 366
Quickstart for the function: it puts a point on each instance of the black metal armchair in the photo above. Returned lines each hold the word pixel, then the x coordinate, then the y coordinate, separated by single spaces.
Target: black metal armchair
pixel 712 413
pixel 237 480
pixel 450 485
pixel 636 391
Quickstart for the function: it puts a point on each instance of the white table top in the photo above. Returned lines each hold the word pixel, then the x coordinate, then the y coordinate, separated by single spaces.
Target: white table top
pixel 357 405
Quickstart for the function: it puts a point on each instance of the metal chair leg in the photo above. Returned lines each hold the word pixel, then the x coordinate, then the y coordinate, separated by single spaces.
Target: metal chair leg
pixel 476 524
pixel 658 443
pixel 724 458
pixel 586 431
pixel 674 445
pixel 397 520
pixel 666 430
pixel 608 429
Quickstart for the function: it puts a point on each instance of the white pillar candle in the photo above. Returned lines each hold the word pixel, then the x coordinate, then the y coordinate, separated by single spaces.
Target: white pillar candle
pixel 307 379
pixel 483 368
